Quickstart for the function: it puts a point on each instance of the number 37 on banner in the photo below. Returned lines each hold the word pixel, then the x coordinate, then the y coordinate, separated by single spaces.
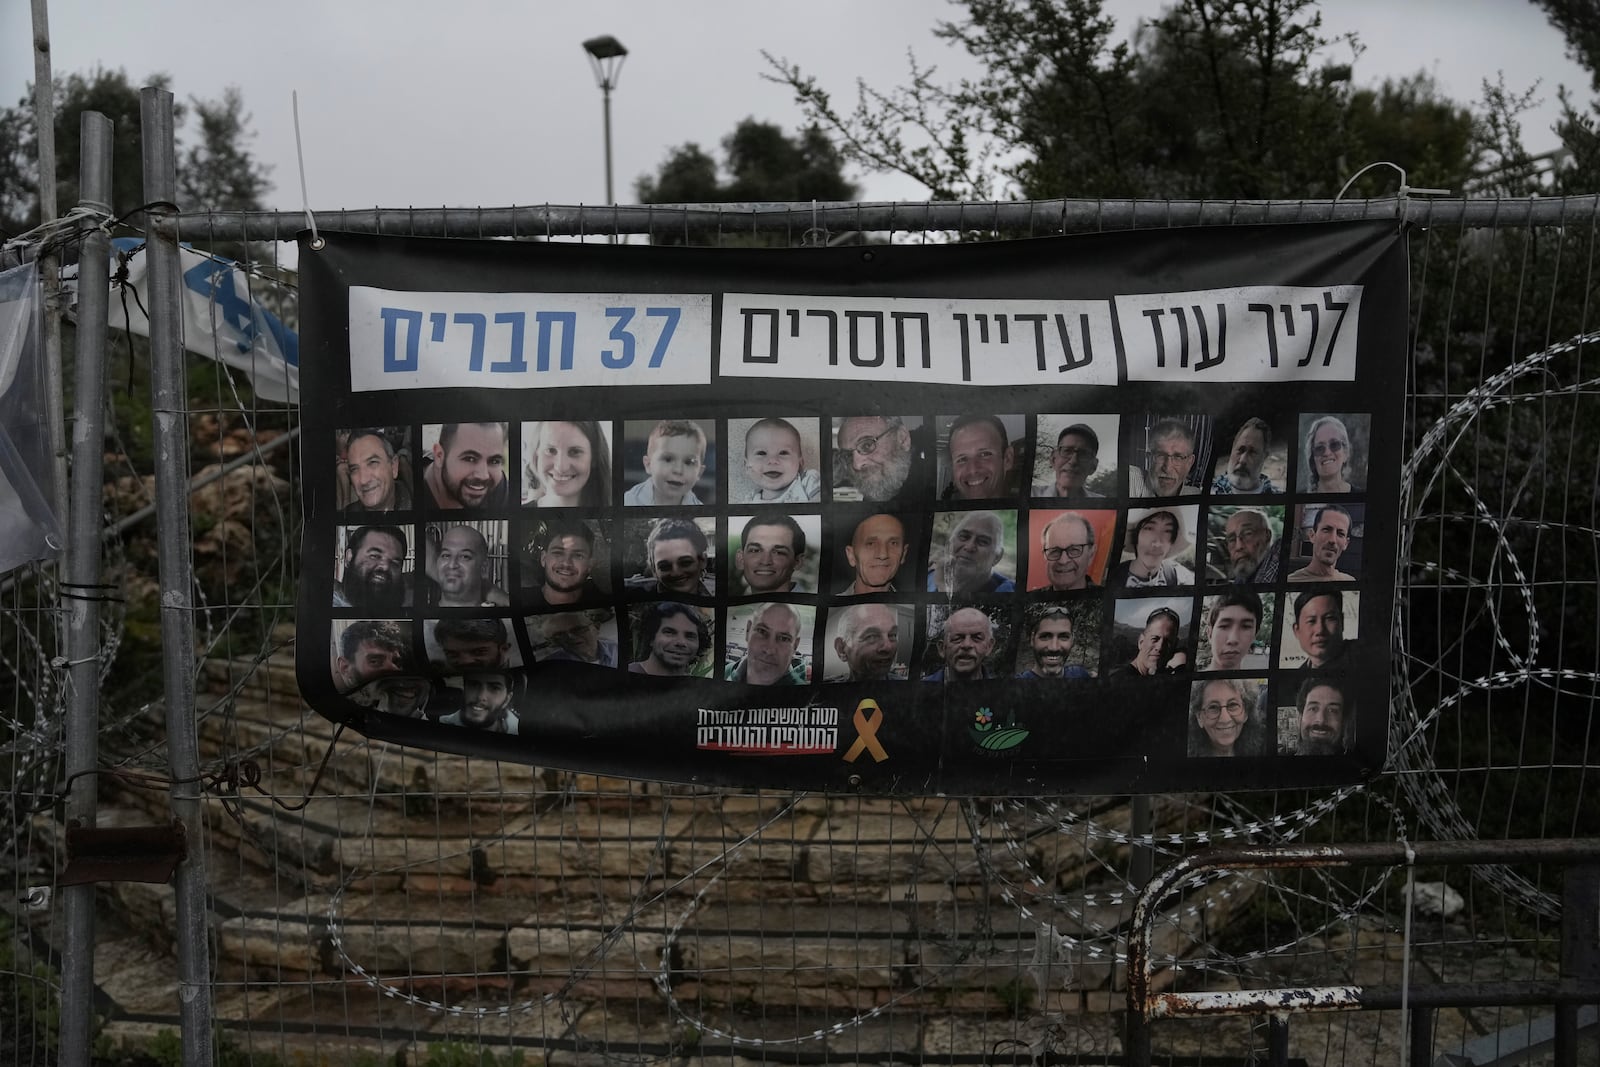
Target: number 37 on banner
pixel 412 340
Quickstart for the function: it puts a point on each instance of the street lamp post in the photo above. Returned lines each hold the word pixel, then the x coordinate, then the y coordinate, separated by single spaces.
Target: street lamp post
pixel 605 56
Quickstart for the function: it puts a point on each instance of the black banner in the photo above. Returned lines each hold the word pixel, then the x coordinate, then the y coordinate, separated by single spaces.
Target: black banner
pixel 1099 514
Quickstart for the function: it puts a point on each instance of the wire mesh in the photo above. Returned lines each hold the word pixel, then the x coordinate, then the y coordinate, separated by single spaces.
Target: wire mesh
pixel 369 899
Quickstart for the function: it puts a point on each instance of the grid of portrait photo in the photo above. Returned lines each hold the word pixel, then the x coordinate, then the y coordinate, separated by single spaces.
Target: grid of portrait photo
pixel 924 548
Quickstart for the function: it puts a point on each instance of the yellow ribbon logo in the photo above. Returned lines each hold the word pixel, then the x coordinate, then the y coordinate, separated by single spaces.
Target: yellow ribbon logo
pixel 868 718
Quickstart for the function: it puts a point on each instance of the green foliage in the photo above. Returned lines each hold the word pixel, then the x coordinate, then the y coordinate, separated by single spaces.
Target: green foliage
pixel 216 172
pixel 33 1007
pixel 166 1049
pixel 106 91
pixel 1410 119
pixel 1579 23
pixel 1210 100
pixel 763 164
pixel 1016 996
pixel 461 1054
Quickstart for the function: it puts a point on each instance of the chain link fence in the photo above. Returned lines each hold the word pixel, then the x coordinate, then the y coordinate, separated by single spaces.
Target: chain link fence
pixel 364 900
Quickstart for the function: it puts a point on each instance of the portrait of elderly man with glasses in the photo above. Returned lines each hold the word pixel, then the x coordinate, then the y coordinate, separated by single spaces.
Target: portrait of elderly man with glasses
pixel 1067 545
pixel 876 456
pixel 1072 460
pixel 1246 550
pixel 1172 456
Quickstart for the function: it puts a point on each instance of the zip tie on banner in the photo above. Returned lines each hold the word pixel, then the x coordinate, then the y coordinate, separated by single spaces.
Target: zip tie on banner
pixel 817 236
pixel 1402 195
pixel 300 157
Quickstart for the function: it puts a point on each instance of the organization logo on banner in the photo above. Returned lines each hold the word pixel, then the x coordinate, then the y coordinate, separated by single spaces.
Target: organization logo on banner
pixel 996 737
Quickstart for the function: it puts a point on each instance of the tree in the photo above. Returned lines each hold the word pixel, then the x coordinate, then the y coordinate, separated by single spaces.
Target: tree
pixel 688 176
pixel 763 164
pixel 1211 100
pixel 217 172
pixel 1579 23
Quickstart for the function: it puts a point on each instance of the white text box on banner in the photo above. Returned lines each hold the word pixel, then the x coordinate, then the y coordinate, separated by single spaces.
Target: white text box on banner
pixel 1257 333
pixel 443 340
pixel 934 342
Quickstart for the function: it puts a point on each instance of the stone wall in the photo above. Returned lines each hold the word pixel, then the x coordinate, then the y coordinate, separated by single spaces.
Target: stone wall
pixel 434 894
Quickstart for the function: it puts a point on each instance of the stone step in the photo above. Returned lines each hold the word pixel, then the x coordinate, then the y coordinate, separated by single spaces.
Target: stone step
pixel 270 680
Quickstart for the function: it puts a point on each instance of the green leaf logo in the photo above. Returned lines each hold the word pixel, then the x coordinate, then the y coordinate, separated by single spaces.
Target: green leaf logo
pixel 1004 738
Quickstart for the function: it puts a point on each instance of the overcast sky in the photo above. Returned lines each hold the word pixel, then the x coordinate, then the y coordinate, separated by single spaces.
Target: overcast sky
pixel 419 102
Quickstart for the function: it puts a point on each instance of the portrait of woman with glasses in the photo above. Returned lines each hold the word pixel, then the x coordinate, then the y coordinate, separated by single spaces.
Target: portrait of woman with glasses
pixel 1334 457
pixel 1224 719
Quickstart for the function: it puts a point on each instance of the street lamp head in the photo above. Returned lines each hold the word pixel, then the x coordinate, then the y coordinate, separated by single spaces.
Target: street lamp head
pixel 605 56
pixel 605 47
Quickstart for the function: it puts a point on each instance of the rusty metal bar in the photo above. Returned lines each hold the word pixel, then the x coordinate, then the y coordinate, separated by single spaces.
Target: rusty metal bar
pixel 1023 216
pixel 1142 1001
pixel 1369 998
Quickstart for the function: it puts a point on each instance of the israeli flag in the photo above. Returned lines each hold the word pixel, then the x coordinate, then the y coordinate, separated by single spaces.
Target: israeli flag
pixel 223 317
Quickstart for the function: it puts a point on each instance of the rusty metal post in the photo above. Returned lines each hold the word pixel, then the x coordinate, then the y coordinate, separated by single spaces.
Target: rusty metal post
pixel 1141 865
pixel 1579 982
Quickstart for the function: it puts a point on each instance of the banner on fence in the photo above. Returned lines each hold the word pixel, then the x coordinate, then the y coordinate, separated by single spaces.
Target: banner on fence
pixel 1095 514
pixel 29 529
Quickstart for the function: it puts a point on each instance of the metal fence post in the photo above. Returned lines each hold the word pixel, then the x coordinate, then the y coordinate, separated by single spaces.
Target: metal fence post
pixel 168 407
pixel 1421 1042
pixel 82 575
pixel 1580 950
pixel 44 113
